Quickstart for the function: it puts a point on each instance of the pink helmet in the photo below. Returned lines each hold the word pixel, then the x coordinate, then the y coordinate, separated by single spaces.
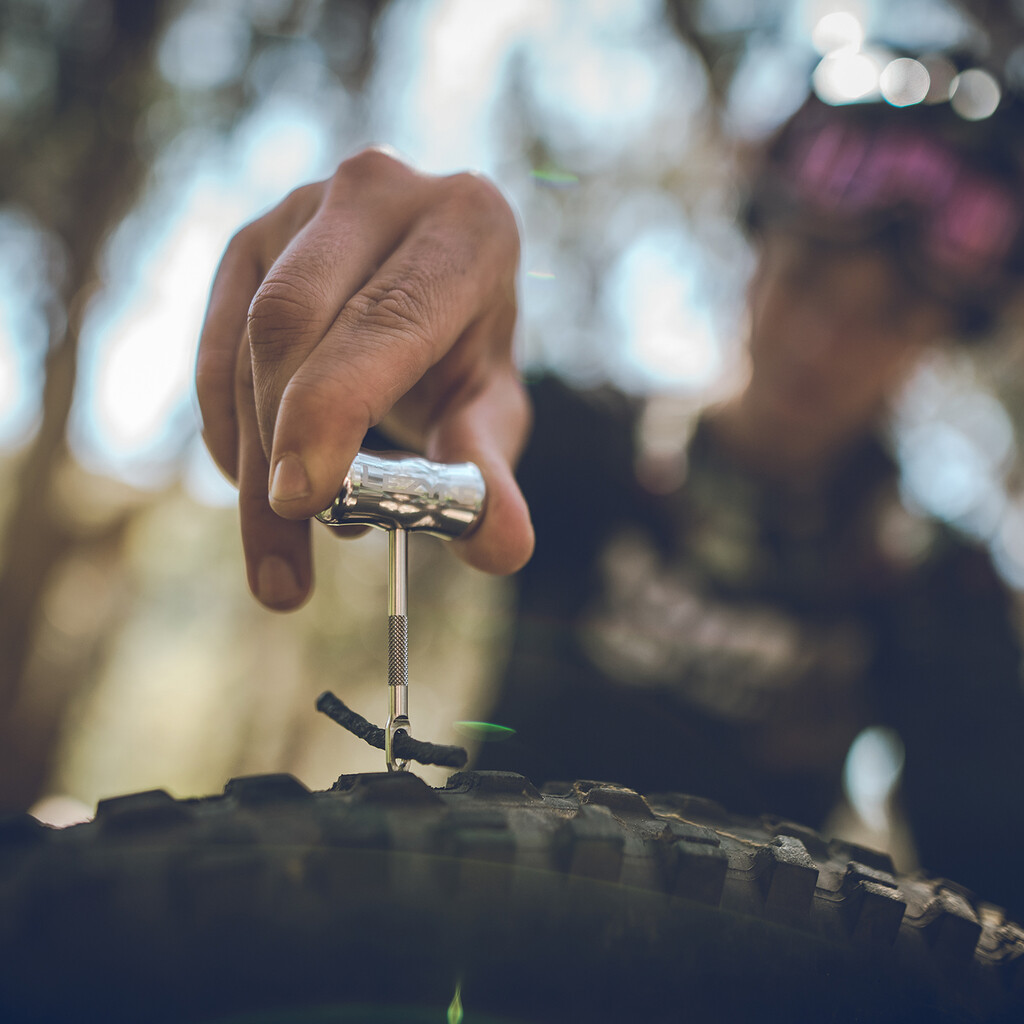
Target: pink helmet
pixel 944 195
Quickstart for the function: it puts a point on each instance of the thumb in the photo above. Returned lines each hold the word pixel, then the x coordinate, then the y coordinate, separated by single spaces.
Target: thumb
pixel 491 430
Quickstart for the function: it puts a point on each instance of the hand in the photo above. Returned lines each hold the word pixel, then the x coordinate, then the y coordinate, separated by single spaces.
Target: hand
pixel 380 296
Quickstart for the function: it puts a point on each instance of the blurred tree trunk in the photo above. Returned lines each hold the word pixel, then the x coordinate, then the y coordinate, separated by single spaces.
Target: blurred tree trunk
pixel 76 170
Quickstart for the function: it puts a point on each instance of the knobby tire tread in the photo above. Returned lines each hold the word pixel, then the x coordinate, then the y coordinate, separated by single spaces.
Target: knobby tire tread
pixel 579 901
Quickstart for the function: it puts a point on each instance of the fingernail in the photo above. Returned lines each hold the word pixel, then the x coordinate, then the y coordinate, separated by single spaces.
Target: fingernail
pixel 289 481
pixel 276 584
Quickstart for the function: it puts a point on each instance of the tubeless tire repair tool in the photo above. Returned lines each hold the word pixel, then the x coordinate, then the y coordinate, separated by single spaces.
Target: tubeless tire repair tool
pixel 405 494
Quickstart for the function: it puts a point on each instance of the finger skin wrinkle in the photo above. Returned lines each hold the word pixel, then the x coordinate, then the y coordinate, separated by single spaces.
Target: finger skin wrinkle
pixel 395 310
pixel 416 295
pixel 282 311
pixel 314 255
pixel 381 363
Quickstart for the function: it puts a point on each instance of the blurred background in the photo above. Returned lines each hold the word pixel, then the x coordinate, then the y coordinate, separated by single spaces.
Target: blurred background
pixel 135 138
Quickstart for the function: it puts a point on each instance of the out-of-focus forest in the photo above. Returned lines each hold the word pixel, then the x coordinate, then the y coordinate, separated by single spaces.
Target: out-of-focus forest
pixel 136 137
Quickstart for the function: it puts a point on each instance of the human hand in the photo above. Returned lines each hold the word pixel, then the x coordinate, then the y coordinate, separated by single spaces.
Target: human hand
pixel 380 296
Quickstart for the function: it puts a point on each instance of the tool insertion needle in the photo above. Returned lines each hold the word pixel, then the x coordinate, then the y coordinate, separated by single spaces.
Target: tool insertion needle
pixel 398 645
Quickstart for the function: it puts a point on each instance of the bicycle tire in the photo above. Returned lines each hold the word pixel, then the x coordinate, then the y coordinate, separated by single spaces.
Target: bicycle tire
pixel 374 900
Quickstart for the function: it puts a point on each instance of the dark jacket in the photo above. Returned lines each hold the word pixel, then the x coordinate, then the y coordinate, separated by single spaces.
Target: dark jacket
pixel 729 638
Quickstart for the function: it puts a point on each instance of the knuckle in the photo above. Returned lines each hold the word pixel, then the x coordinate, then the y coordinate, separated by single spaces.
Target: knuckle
pixel 401 309
pixel 280 312
pixel 372 164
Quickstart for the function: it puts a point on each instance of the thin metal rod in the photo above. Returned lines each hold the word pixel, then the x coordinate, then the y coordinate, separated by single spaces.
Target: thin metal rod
pixel 398 572
pixel 398 645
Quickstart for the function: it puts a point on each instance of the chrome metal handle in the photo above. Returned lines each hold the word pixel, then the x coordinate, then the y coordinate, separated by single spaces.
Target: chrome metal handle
pixel 409 493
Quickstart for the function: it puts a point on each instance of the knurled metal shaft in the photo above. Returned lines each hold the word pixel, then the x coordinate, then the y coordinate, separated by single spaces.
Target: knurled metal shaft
pixel 398 651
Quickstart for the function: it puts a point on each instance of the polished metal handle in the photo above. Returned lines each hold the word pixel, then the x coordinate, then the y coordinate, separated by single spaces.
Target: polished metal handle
pixel 409 493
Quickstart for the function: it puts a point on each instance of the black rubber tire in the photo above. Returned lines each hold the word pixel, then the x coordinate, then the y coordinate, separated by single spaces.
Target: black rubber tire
pixel 373 901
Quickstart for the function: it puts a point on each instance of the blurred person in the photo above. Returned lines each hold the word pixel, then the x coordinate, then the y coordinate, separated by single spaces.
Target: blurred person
pixel 722 619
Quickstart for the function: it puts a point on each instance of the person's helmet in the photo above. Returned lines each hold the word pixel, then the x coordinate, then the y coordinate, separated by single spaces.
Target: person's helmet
pixel 943 194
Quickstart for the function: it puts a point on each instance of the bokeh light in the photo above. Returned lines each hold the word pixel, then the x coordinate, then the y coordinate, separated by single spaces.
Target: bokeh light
pixel 956 444
pixel 904 82
pixel 769 84
pixel 429 55
pixel 837 31
pixel 975 94
pixel 846 77
pixel 670 338
pixel 207 46
pixel 872 772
